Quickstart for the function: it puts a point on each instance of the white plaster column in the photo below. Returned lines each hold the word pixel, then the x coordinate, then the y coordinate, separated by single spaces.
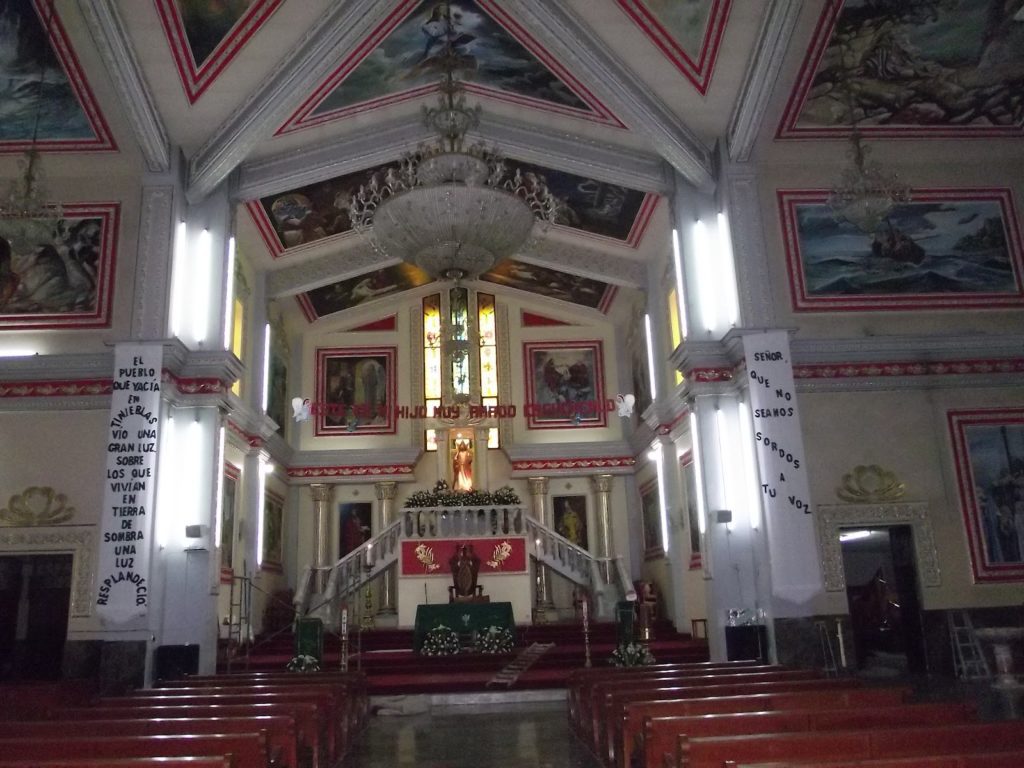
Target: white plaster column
pixel 601 485
pixel 322 494
pixel 541 513
pixel 385 491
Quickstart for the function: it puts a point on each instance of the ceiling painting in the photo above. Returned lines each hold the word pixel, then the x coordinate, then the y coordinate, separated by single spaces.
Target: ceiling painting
pixel 355 291
pixel 552 283
pixel 688 32
pixel 205 35
pixel 928 68
pixel 401 60
pixel 312 213
pixel 44 97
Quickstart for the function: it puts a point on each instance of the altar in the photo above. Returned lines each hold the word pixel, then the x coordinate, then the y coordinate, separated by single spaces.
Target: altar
pixel 464 618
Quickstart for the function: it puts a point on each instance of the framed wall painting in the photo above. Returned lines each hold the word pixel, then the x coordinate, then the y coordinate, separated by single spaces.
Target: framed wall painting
pixel 59 275
pixel 229 500
pixel 273 532
pixel 650 515
pixel 945 249
pixel 355 387
pixel 689 474
pixel 564 384
pixel 570 517
pixel 988 452
pixel 353 525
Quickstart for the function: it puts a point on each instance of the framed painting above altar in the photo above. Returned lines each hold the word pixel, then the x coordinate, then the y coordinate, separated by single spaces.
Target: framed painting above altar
pixel 988 450
pixel 356 386
pixel 564 384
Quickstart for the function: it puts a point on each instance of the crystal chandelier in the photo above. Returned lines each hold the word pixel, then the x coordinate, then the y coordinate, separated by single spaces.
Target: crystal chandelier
pixel 451 208
pixel 29 218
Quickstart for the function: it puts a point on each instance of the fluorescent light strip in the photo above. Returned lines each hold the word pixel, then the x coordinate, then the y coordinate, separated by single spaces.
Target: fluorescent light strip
pixel 677 260
pixel 659 461
pixel 229 294
pixel 728 271
pixel 266 366
pixel 218 520
pixel 16 352
pixel 201 288
pixel 650 357
pixel 753 480
pixel 705 274
pixel 702 515
pixel 262 500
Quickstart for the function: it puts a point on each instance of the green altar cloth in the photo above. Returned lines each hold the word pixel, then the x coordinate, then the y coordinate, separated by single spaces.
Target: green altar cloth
pixel 464 618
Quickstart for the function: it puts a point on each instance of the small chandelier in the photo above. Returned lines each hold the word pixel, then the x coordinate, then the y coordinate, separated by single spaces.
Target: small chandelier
pixel 451 208
pixel 865 194
pixel 29 217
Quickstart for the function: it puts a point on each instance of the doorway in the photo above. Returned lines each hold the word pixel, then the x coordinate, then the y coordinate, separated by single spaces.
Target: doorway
pixel 35 594
pixel 883 596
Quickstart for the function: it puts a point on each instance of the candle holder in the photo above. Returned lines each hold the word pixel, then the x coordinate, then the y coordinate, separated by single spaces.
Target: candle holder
pixel 586 633
pixel 367 621
pixel 344 639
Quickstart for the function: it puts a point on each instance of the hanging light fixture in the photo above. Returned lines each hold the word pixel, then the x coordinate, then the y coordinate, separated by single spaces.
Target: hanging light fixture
pixel 25 207
pixel 865 193
pixel 451 208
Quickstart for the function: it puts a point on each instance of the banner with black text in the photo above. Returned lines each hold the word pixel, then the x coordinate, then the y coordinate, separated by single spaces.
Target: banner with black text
pixel 792 545
pixel 130 484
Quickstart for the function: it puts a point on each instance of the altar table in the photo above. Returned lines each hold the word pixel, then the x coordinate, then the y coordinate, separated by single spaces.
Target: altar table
pixel 464 618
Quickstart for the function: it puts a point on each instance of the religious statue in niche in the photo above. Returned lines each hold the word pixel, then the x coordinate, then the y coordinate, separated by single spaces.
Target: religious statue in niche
pixel 462 464
pixel 465 567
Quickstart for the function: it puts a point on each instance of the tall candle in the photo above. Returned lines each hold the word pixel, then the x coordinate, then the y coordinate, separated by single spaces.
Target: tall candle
pixel 585 609
pixel 842 645
pixel 344 621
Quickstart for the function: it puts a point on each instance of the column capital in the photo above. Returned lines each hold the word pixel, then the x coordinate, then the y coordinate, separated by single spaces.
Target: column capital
pixel 538 485
pixel 321 492
pixel 385 489
pixel 602 483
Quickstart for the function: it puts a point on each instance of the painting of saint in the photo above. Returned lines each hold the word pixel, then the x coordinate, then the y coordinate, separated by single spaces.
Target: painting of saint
pixel 57 272
pixel 353 525
pixel 941 250
pixel 277 397
pixel 570 513
pixel 692 513
pixel 650 512
pixel 273 533
pixel 462 464
pixel 549 282
pixel 927 67
pixel 369 286
pixel 990 464
pixel 227 529
pixel 564 384
pixel 355 391
pixel 410 59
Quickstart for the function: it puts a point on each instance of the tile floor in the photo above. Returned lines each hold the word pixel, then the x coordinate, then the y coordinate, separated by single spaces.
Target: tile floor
pixel 527 735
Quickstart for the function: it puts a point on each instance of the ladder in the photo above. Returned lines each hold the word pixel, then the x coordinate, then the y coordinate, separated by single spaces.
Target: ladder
pixel 828 655
pixel 968 659
pixel 239 624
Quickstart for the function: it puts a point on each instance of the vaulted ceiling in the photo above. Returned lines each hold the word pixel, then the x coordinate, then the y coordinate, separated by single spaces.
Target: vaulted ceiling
pixel 294 102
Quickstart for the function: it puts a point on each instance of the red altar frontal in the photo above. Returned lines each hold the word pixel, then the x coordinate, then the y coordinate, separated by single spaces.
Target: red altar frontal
pixel 430 557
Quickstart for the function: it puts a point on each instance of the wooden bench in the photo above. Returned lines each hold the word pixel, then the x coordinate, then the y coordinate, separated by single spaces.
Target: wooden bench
pixel 661 734
pixel 282 743
pixel 628 724
pixel 309 725
pixel 139 762
pixel 875 744
pixel 248 749
pixel 687 689
pixel 983 760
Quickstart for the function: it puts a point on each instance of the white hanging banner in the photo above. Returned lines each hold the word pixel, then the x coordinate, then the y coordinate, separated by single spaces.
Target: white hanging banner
pixel 792 544
pixel 129 492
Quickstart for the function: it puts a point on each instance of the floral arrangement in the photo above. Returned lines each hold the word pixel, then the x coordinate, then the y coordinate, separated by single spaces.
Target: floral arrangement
pixel 304 663
pixel 632 655
pixel 443 496
pixel 440 641
pixel 494 640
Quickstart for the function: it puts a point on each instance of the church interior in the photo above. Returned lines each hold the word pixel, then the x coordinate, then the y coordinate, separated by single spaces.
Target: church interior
pixel 359 310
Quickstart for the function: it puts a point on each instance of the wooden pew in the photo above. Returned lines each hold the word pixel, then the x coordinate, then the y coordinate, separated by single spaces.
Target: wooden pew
pixel 225 761
pixel 875 744
pixel 628 722
pixel 282 743
pixel 983 760
pixel 661 734
pixel 594 700
pixel 310 727
pixel 605 697
pixel 248 749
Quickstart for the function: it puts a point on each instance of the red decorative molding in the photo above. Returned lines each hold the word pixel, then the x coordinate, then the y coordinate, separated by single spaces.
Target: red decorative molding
pixel 533 320
pixel 696 561
pixel 608 462
pixel 307 307
pixel 609 296
pixel 253 441
pixel 934 368
pixel 196 386
pixel 79 388
pixel 711 375
pixel 388 323
pixel 697 72
pixel 197 77
pixel 352 471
